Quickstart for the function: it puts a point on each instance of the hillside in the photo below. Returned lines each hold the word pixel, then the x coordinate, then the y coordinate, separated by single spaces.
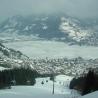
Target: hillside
pixel 9 58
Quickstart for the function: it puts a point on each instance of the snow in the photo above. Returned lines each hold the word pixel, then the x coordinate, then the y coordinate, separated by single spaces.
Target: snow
pixel 61 84
pixel 53 49
pixel 2 68
pixel 63 78
pixel 6 26
pixel 44 27
pixel 34 24
pixel 44 19
pixel 71 28
pixel 91 95
pixel 26 28
pixel 40 90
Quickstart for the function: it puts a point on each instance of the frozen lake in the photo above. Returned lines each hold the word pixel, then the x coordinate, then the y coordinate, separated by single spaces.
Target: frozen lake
pixel 52 49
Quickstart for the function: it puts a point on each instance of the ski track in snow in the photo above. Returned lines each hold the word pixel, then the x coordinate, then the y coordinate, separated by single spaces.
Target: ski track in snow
pixel 41 90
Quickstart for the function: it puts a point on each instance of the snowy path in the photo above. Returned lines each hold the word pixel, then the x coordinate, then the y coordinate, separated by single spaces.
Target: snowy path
pixel 40 90
pixel 28 92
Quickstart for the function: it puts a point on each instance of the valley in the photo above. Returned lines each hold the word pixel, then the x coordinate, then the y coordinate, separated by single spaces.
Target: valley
pixel 53 49
pixel 49 56
pixel 48 48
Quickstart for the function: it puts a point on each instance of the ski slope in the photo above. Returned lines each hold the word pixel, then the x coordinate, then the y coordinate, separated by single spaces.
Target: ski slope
pixel 40 90
pixel 91 95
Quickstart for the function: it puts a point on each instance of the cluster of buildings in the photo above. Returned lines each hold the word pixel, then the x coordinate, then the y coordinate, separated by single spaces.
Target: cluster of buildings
pixel 73 67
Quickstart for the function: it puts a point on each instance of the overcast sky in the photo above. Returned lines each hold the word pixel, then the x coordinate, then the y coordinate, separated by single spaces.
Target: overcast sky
pixel 77 8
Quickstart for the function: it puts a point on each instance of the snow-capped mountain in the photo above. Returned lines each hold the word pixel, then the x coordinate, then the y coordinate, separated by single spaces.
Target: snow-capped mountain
pixel 9 58
pixel 50 27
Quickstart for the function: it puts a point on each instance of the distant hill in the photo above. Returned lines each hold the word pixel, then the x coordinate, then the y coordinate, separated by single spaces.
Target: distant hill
pixel 9 58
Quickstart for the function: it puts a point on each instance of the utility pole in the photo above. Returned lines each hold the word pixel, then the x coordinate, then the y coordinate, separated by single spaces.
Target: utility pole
pixel 53 85
pixel 53 78
pixel 52 75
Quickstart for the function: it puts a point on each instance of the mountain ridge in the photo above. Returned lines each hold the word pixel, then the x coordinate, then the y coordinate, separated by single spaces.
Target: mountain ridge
pixel 10 58
pixel 51 27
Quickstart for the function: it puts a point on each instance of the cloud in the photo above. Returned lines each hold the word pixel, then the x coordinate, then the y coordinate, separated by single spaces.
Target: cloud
pixel 77 8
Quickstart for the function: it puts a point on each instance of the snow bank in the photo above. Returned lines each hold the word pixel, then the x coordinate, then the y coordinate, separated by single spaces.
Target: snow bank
pixel 91 95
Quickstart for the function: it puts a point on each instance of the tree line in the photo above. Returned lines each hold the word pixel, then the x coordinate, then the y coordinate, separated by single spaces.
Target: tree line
pixel 18 76
pixel 85 84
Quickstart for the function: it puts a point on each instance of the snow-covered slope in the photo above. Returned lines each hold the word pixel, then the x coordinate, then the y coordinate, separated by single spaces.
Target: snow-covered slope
pixel 91 95
pixel 74 31
pixel 9 58
pixel 40 90
pixel 11 53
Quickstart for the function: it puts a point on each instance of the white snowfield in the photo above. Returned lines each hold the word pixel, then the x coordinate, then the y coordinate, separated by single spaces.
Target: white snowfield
pixel 40 90
pixel 91 95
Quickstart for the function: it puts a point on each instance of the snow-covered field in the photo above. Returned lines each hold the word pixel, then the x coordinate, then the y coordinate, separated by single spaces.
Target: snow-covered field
pixel 53 49
pixel 40 90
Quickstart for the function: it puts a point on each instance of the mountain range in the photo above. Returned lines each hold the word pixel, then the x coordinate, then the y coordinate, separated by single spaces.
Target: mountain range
pixel 58 27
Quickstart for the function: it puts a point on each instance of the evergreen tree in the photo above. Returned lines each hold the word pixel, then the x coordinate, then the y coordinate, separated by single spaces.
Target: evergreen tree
pixel 89 82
